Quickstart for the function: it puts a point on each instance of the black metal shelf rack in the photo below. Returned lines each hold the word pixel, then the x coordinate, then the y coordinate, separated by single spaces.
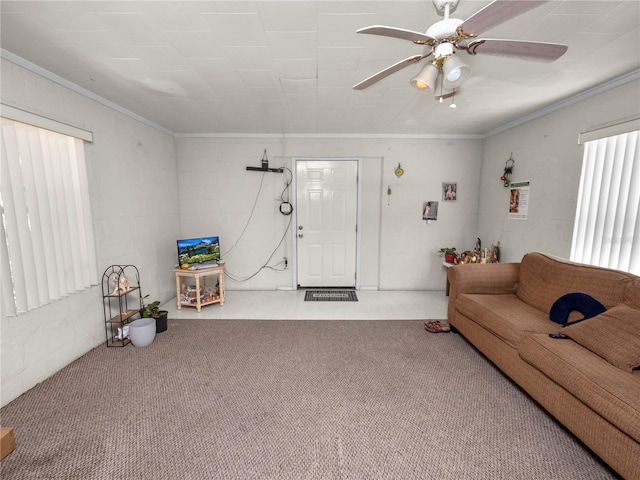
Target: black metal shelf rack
pixel 122 301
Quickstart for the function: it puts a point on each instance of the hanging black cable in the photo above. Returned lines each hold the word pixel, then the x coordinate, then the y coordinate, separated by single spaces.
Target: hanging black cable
pixel 284 196
pixel 266 265
pixel 285 206
pixel 255 202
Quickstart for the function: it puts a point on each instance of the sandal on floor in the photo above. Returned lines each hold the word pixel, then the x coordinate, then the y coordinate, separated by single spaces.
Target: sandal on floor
pixel 436 327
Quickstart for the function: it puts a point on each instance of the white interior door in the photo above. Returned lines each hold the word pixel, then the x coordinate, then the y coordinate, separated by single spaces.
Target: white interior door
pixel 327 213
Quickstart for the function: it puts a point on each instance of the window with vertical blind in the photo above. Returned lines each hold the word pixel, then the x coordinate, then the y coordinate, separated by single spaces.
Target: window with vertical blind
pixel 607 225
pixel 47 247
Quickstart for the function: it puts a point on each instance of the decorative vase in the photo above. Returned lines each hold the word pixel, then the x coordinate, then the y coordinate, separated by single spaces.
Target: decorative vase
pixel 450 257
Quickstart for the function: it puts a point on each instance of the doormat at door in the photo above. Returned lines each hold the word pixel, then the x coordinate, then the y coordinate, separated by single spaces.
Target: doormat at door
pixel 330 296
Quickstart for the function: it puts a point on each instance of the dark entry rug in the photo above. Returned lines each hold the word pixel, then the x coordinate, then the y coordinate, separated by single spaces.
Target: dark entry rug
pixel 330 296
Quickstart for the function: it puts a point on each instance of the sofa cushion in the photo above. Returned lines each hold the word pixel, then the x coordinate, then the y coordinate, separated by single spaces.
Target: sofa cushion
pixel 544 279
pixel 609 391
pixel 581 302
pixel 614 335
pixel 505 316
pixel 632 294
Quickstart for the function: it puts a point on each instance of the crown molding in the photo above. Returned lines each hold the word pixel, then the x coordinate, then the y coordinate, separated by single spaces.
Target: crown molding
pixel 368 136
pixel 43 72
pixel 579 97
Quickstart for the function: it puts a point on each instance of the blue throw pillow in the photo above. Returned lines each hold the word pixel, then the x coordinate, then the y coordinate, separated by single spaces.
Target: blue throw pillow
pixel 581 302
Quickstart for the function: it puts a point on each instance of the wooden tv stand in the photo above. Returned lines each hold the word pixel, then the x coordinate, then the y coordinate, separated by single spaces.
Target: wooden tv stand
pixel 199 295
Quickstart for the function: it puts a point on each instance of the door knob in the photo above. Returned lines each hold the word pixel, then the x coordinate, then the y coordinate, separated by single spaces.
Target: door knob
pixel 300 227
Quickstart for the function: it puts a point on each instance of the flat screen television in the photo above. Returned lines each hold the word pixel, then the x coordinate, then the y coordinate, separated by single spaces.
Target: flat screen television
pixel 193 251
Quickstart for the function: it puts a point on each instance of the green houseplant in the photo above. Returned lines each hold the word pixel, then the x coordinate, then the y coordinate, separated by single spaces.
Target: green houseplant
pixel 153 310
pixel 449 254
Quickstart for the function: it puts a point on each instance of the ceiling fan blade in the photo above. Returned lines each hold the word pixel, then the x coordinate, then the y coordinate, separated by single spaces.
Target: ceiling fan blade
pixel 497 12
pixel 388 71
pixel 541 51
pixel 415 37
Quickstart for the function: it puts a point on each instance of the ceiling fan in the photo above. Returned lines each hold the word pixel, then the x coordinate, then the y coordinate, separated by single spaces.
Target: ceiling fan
pixel 444 74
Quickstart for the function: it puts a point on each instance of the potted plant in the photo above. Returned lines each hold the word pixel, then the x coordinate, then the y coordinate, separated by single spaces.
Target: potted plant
pixel 449 254
pixel 153 310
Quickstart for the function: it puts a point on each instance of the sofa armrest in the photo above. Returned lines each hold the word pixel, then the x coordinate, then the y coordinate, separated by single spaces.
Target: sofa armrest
pixel 485 278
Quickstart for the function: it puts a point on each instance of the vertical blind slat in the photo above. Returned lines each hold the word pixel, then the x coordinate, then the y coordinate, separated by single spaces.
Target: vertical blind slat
pixel 45 224
pixel 74 277
pixel 13 212
pixel 579 225
pixel 85 230
pixel 592 205
pixel 611 181
pixel 631 230
pixel 61 233
pixel 35 220
pixel 8 298
pixel 56 276
pixel 621 202
pixel 602 179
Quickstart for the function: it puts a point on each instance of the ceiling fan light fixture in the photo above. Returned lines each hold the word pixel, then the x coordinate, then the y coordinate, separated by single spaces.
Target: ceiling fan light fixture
pixel 455 72
pixel 443 50
pixel 425 81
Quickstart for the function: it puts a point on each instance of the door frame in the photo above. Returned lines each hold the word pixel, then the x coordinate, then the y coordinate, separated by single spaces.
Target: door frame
pixel 294 199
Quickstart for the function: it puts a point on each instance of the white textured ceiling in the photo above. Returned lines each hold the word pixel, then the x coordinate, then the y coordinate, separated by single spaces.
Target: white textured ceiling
pixel 287 67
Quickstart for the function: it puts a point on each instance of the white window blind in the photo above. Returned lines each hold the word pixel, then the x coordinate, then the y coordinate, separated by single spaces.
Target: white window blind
pixel 47 246
pixel 607 225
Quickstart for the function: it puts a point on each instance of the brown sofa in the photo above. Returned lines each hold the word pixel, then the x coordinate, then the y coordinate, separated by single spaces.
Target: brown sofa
pixel 589 381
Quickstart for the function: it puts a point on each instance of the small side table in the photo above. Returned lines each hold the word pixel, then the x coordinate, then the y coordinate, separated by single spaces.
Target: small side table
pixel 200 295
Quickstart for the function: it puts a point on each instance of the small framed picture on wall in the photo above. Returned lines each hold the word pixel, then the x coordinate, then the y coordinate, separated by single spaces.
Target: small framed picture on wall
pixel 449 192
pixel 430 210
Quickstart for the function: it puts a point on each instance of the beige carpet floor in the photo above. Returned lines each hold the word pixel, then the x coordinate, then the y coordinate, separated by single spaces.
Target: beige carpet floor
pixel 241 399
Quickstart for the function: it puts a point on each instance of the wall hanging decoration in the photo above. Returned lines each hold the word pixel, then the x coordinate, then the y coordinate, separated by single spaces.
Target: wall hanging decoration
pixel 430 211
pixel 399 171
pixel 519 200
pixel 449 192
pixel 508 170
